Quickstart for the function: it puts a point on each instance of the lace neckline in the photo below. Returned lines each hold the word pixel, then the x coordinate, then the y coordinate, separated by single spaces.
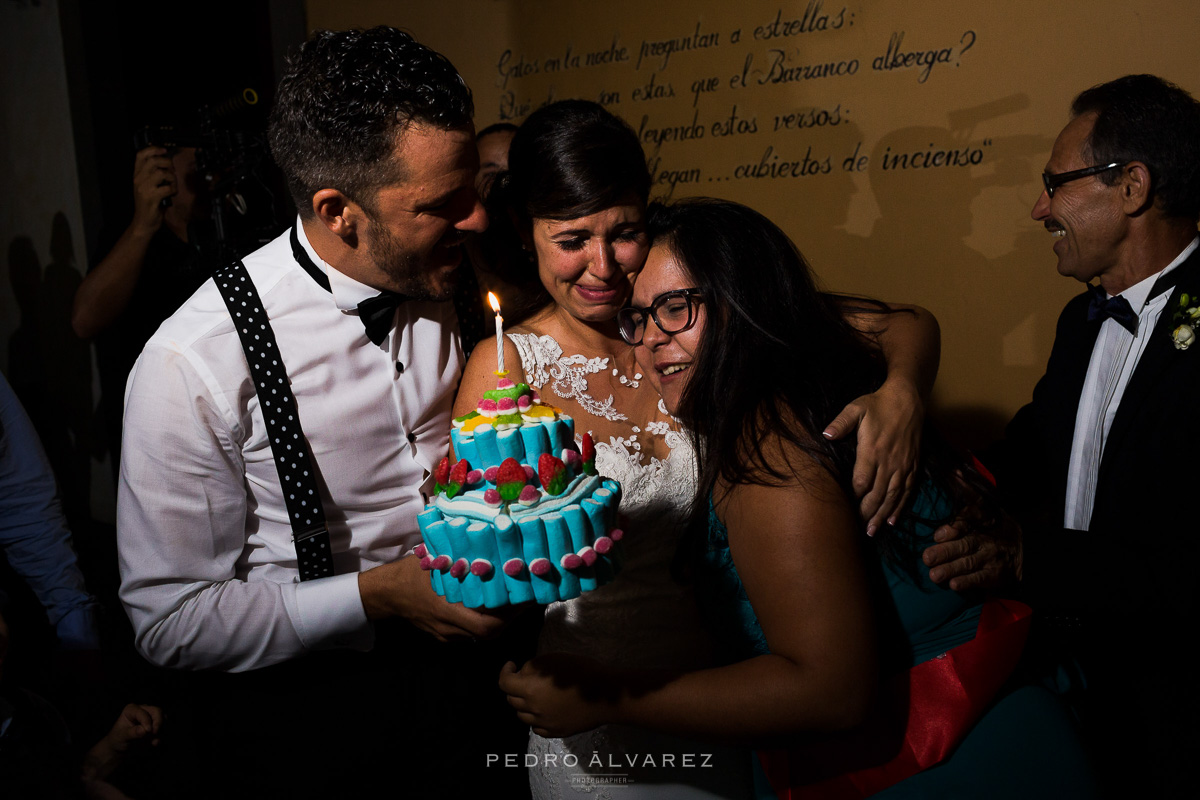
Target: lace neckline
pixel 568 375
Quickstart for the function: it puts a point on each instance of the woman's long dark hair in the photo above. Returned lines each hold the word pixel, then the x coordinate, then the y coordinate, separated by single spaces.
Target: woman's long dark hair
pixel 778 358
pixel 568 159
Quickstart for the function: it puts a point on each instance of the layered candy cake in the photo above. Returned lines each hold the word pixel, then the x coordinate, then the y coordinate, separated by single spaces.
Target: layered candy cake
pixel 522 515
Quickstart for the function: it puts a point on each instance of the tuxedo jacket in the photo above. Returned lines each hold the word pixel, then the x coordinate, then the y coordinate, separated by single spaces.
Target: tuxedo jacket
pixel 1119 601
pixel 1139 553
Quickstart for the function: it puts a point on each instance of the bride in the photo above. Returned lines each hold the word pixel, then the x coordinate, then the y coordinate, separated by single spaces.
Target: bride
pixel 573 203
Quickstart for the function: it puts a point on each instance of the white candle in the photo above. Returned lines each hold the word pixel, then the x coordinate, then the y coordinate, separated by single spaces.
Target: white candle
pixel 495 304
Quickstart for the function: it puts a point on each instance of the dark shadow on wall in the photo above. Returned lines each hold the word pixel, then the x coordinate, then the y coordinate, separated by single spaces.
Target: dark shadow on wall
pixel 925 180
pixel 50 369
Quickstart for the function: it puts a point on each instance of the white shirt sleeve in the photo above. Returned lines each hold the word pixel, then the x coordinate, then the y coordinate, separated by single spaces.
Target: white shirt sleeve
pixel 184 524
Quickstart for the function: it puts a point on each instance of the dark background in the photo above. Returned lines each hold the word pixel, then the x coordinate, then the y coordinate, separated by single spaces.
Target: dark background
pixel 132 63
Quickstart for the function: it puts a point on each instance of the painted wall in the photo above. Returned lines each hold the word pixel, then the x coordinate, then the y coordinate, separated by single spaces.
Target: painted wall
pixel 899 143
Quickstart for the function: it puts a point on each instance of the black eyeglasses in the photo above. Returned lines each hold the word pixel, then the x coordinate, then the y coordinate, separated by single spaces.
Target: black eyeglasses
pixel 1052 182
pixel 673 312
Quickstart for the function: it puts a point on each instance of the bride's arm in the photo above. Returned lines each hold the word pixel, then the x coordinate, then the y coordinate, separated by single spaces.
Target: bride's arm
pixel 889 421
pixel 796 552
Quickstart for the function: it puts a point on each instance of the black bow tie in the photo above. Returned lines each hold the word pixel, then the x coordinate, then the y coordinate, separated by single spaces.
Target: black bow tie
pixel 377 314
pixel 1101 307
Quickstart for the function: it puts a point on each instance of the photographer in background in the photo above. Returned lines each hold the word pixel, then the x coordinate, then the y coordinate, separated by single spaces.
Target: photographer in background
pixel 157 236
pixel 147 274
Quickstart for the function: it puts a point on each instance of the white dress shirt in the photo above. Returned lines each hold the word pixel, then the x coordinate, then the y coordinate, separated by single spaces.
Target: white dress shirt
pixel 1115 356
pixel 208 566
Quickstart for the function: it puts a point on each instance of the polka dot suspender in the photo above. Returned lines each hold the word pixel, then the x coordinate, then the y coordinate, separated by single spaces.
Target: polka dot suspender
pixel 288 443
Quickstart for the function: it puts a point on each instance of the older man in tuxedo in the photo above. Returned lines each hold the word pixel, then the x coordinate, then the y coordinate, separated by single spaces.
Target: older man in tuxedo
pixel 1099 467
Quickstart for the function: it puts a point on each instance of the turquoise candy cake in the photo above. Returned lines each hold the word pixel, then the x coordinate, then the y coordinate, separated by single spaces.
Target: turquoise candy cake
pixel 522 515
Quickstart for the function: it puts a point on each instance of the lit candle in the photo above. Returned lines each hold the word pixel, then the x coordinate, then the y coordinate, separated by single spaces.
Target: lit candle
pixel 495 304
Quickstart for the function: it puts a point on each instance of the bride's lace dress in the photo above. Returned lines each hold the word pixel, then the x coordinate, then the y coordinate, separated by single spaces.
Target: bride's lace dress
pixel 644 619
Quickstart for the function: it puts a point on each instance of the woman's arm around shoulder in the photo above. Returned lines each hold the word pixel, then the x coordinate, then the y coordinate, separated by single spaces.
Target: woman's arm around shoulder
pixel 889 421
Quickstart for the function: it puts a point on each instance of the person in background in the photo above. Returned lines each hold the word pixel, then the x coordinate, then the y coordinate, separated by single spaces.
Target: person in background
pixel 1099 466
pixel 487 268
pixel 34 537
pixel 147 273
pixel 493 142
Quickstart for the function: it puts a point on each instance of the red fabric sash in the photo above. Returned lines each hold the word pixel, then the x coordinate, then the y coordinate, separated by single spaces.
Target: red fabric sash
pixel 922 716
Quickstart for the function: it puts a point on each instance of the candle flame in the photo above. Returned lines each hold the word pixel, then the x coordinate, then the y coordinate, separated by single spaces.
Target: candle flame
pixel 493 302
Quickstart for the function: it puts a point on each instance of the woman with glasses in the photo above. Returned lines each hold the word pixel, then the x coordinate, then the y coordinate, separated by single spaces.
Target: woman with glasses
pixel 573 204
pixel 823 630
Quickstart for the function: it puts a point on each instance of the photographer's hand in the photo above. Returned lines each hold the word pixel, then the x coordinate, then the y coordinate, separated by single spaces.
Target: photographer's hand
pixel 154 180
pixel 105 291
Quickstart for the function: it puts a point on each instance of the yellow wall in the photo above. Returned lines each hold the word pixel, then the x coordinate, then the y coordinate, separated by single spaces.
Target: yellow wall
pixel 988 82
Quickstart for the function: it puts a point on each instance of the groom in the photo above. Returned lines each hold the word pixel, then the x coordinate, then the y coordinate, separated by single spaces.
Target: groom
pixel 373 132
pixel 1100 465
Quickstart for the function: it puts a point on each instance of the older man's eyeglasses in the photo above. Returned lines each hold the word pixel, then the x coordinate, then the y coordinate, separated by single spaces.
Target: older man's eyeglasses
pixel 1053 181
pixel 673 312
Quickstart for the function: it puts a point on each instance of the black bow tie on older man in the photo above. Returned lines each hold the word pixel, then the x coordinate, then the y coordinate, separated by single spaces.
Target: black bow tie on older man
pixel 1101 306
pixel 377 313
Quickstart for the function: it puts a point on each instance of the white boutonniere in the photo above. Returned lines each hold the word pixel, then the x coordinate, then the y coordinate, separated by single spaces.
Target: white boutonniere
pixel 1186 319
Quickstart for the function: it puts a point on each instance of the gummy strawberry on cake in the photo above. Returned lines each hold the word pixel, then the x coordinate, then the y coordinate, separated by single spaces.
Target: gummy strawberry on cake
pixel 522 515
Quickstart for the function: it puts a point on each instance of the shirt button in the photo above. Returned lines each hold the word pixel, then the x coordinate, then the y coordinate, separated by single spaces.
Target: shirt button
pixel 412 437
pixel 399 367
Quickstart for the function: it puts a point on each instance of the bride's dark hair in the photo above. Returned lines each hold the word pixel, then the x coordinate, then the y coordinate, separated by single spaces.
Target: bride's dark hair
pixel 569 159
pixel 776 357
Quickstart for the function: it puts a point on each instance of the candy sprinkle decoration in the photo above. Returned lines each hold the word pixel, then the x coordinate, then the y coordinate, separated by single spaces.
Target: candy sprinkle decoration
pixel 458 478
pixel 553 474
pixel 510 479
pixel 587 451
pixel 441 475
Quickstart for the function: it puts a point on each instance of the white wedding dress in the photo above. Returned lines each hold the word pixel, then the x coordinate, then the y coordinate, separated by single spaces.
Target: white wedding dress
pixel 644 619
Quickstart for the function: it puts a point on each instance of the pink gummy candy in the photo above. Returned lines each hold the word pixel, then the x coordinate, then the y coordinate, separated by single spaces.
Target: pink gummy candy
pixel 490 475
pixel 529 495
pixel 588 555
pixel 537 398
pixel 504 383
pixel 441 562
pixel 540 566
pixel 524 402
pixel 419 551
pixel 571 561
pixel 506 405
pixel 474 477
pixel 530 473
pixel 603 545
pixel 426 563
pixel 492 498
pixel 481 567
pixel 459 569
pixel 513 567
pixel 616 534
pixel 486 407
pixel 570 457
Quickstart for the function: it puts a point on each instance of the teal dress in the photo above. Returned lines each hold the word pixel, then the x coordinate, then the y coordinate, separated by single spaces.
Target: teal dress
pixel 1025 745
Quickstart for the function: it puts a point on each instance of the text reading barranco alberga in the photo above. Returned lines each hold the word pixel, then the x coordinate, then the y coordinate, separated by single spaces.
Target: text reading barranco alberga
pixel 602 760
